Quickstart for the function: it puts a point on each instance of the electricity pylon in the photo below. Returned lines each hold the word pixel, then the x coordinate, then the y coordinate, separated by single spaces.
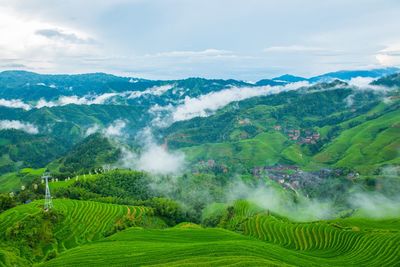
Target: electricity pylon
pixel 48 204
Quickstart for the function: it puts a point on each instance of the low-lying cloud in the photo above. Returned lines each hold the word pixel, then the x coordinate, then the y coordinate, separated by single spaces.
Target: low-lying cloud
pixel 364 204
pixel 365 83
pixel 85 100
pixel 92 129
pixel 205 105
pixel 156 91
pixel 375 205
pixel 19 125
pixel 114 129
pixel 280 202
pixel 153 158
pixel 156 159
pixel 14 103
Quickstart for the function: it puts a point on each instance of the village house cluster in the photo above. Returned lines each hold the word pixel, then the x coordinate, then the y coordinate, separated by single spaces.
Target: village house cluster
pixel 299 135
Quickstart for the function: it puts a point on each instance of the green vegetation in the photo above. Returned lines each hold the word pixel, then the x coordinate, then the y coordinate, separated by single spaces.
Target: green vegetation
pixel 13 181
pixel 306 157
pixel 352 144
pixel 265 239
pixel 334 243
pixel 204 247
pixel 366 146
pixel 92 153
pixel 38 235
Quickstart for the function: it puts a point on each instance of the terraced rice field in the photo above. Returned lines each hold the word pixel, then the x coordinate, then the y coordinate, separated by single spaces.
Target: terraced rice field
pixel 338 243
pixel 266 240
pixel 175 247
pixel 219 247
pixel 82 221
pixel 87 221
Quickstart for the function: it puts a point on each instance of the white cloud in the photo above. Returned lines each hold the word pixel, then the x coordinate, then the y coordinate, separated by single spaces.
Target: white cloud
pixel 154 158
pixel 115 129
pixel 19 125
pixel 361 81
pixel 375 205
pixel 91 130
pixel 14 103
pixel 49 36
pixel 273 199
pixel 364 83
pixel 388 60
pixel 39 44
pixel 389 56
pixel 156 90
pixel 349 100
pixel 85 100
pixel 205 105
pixel 62 35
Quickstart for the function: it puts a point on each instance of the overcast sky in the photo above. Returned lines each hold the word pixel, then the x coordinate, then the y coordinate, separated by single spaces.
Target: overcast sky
pixel 167 39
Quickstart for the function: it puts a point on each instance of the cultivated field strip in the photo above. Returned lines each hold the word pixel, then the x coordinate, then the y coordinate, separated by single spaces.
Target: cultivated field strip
pixel 86 221
pixel 209 247
pixel 80 222
pixel 329 241
pixel 179 247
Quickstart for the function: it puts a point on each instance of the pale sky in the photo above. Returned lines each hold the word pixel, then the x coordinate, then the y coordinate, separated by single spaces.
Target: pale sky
pixel 170 39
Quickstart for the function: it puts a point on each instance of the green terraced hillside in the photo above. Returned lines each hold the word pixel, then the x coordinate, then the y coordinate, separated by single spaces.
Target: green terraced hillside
pixel 177 247
pixel 14 180
pixel 366 146
pixel 78 222
pixel 347 242
pixel 298 245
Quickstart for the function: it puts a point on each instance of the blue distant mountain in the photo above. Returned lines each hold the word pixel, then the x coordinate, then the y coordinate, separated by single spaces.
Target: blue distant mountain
pixel 349 74
pixel 330 76
pixel 270 82
pixel 289 78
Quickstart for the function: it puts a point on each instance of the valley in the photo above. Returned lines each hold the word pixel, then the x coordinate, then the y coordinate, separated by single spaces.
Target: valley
pixel 287 171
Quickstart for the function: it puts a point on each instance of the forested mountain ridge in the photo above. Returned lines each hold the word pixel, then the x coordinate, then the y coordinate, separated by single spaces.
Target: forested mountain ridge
pixel 299 127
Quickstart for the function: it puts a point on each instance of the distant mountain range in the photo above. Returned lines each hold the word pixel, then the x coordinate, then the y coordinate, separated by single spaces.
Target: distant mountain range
pixel 341 75
pixel 44 117
pixel 84 82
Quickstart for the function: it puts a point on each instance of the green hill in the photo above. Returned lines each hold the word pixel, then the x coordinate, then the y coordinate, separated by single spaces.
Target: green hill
pixel 365 143
pixel 14 180
pixel 83 233
pixel 28 232
pixel 333 243
pixel 283 243
pixel 175 247
pixel 368 145
pixel 92 152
